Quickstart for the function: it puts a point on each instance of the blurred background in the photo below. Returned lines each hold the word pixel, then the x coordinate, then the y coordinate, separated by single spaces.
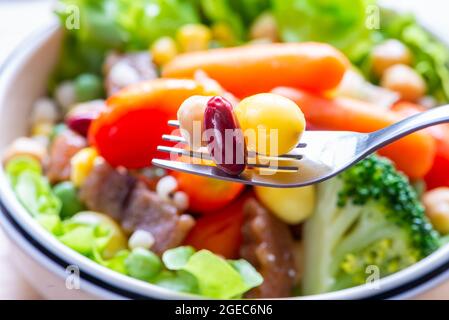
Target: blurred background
pixel 20 18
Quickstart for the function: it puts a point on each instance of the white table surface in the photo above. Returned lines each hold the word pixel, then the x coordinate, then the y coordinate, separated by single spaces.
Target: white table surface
pixel 18 18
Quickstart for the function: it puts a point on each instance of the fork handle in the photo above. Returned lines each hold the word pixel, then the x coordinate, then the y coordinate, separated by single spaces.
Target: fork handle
pixel 407 126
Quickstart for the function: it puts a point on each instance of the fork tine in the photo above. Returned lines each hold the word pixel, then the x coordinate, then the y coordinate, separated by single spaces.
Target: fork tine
pixel 173 123
pixel 284 157
pixel 183 152
pixel 171 138
pixel 206 156
pixel 278 168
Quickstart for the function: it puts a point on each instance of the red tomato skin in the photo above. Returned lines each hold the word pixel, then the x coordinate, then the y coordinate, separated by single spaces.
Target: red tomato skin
pixel 220 231
pixel 439 175
pixel 133 139
pixel 128 132
pixel 207 195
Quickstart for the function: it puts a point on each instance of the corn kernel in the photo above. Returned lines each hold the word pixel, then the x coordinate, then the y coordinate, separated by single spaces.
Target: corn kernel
pixel 194 37
pixel 81 165
pixel 42 129
pixel 164 50
pixel 223 33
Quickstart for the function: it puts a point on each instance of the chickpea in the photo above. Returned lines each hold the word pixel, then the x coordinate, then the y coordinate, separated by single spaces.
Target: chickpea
pixel 291 205
pixel 390 53
pixel 405 81
pixel 265 27
pixel 191 118
pixel 194 37
pixel 164 50
pixel 25 147
pixel 272 124
pixel 211 86
pixel 436 203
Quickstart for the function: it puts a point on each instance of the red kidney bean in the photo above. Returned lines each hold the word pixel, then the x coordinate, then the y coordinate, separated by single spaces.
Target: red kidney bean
pixel 80 123
pixel 226 143
pixel 80 118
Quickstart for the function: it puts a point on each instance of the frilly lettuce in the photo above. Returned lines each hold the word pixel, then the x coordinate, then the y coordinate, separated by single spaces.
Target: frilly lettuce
pixel 341 23
pixel 115 24
pixel 237 14
pixel 85 238
pixel 431 57
pixel 34 192
pixel 216 277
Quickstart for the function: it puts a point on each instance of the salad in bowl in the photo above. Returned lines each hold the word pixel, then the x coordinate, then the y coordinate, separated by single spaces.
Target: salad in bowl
pixel 85 173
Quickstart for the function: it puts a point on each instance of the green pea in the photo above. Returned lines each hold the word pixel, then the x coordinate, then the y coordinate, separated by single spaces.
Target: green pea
pixel 88 87
pixel 68 195
pixel 143 264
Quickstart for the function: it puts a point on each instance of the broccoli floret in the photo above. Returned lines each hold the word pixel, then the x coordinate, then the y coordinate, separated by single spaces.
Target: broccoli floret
pixel 367 217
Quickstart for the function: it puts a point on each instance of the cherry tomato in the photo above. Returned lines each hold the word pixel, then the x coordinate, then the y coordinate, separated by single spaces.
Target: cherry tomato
pixel 438 176
pixel 207 195
pixel 220 232
pixel 128 132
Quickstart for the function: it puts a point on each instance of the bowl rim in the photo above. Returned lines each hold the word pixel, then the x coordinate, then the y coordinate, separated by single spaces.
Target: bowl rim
pixel 421 276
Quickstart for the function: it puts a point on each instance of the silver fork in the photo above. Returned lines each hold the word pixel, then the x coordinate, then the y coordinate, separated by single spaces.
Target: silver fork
pixel 320 156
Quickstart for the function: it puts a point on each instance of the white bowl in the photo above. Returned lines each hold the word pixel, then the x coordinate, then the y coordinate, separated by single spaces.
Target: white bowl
pixel 43 260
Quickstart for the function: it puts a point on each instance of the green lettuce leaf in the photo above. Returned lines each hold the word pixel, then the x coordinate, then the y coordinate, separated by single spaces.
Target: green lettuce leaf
pixel 214 276
pixel 122 25
pixel 177 258
pixel 431 57
pixel 251 277
pixel 180 281
pixel 34 192
pixel 220 11
pixel 249 10
pixel 89 239
pixel 341 23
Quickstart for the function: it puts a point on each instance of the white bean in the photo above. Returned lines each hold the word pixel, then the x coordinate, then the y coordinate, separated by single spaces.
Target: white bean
pixel 166 186
pixel 44 110
pixel 141 239
pixel 123 75
pixel 65 95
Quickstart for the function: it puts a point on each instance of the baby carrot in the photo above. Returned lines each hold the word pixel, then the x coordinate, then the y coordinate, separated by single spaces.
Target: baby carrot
pixel 252 69
pixel 414 154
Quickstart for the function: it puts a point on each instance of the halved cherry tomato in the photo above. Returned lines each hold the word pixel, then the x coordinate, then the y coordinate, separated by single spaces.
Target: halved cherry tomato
pixel 220 232
pixel 206 194
pixel 128 131
pixel 438 176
